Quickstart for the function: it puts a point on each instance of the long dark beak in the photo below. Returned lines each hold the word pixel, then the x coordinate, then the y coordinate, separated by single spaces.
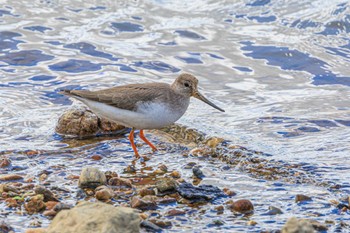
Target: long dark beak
pixel 205 100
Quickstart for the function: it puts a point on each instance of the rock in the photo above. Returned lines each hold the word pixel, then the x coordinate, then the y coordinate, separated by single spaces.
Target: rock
pixel 62 206
pixel 49 213
pixel 166 184
pixel 175 212
pixel 5 162
pixel 141 204
pixel 11 202
pixel 219 209
pixel 109 175
pixel 317 225
pixel 294 225
pixel 78 122
pixel 120 182
pixel 273 211
pixel 35 230
pixel 48 195
pixel 302 198
pixel 8 177
pixel 109 126
pixel 35 204
pixel 160 223
pixel 214 142
pixel 99 217
pixel 150 227
pixel 91 177
pixel 197 172
pixel 251 223
pixel 5 228
pixel 163 168
pixel 229 193
pixel 103 193
pixel 199 193
pixel 146 191
pixel 96 157
pixel 8 188
pixel 242 206
pixel 50 204
pixel 175 174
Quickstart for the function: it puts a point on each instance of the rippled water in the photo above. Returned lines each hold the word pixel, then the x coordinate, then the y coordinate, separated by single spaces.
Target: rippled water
pixel 280 69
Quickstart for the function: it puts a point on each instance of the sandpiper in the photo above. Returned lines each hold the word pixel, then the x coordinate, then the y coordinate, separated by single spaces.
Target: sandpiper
pixel 143 106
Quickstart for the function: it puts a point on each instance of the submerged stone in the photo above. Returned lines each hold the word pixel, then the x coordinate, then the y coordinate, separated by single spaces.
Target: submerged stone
pixel 91 177
pixel 199 193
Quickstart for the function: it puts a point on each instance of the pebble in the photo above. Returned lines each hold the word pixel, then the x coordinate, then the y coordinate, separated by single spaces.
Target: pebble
pixel 110 174
pixel 103 193
pixel 96 157
pixel 251 223
pixel 166 184
pixel 161 223
pixel 49 213
pixel 146 191
pixel 273 211
pixel 5 162
pixel 243 206
pixel 91 177
pixel 175 212
pixel 48 195
pixel 175 174
pixel 35 204
pixel 120 182
pixel 199 193
pixel 219 209
pixel 229 192
pixel 214 142
pixel 151 227
pixel 62 206
pixel 50 204
pixel 141 204
pixel 302 198
pixel 197 172
pixel 8 188
pixel 10 202
pixel 163 168
pixel 8 177
pixel 35 230
pixel 190 165
pixel 130 169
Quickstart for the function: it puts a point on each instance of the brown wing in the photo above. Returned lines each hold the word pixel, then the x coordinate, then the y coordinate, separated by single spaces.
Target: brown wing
pixel 124 97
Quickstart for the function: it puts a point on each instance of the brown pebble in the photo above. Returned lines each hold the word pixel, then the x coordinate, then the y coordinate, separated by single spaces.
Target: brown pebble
pixel 35 204
pixel 219 209
pixel 141 204
pixel 10 177
pixel 35 230
pixel 49 213
pixel 163 167
pixel 146 191
pixel 96 157
pixel 117 181
pixel 5 162
pixel 143 216
pixel 73 177
pixel 175 212
pixel 50 204
pixel 160 223
pixel 302 198
pixel 103 193
pixel 229 192
pixel 10 202
pixel 251 223
pixel 43 177
pixel 159 172
pixel 175 174
pixel 242 206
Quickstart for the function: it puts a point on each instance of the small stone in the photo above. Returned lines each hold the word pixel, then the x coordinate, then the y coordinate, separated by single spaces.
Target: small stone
pixel 218 222
pixel 273 211
pixel 166 200
pixel 141 204
pixel 219 209
pixel 166 184
pixel 43 177
pixel 48 195
pixel 35 230
pixel 96 157
pixel 190 165
pixel 62 206
pixel 91 177
pixel 146 191
pixel 214 142
pixel 10 177
pixel 8 188
pixel 199 193
pixel 302 198
pixel 242 206
pixel 50 204
pixel 10 202
pixel 251 223
pixel 120 182
pixel 317 225
pixel 49 213
pixel 197 172
pixel 160 223
pixel 73 177
pixel 5 227
pixel 103 193
pixel 175 174
pixel 130 169
pixel 36 204
pixel 175 212
pixel 294 225
pixel 151 227
pixel 163 168
pixel 5 162
pixel 143 216
pixel 229 192
pixel 159 172
pixel 109 175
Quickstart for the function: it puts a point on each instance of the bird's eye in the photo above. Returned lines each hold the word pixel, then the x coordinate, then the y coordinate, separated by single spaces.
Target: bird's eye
pixel 187 85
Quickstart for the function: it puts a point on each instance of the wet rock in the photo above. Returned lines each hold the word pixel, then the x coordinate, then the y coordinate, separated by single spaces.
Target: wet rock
pixel 142 204
pixel 48 195
pixel 5 162
pixel 62 206
pixel 90 217
pixel 166 184
pixel 8 177
pixel 78 122
pixel 96 157
pixel 302 198
pixel 5 227
pixel 242 206
pixel 197 172
pixel 294 225
pixel 146 191
pixel 49 213
pixel 219 209
pixel 150 227
pixel 163 168
pixel 190 165
pixel 229 192
pixel 8 188
pixel 103 193
pixel 120 182
pixel 217 222
pixel 251 223
pixel 175 174
pixel 91 177
pixel 50 204
pixel 175 212
pixel 161 223
pixel 317 225
pixel 36 230
pixel 130 169
pixel 199 193
pixel 35 204
pixel 214 142
pixel 273 211
pixel 11 202
pixel 109 126
pixel 109 175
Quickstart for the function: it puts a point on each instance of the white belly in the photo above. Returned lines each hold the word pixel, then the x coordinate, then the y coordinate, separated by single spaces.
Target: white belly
pixel 148 115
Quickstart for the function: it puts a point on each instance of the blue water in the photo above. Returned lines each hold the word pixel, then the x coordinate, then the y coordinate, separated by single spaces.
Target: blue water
pixel 280 69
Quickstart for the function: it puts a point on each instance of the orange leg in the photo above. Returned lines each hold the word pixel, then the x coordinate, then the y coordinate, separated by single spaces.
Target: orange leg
pixel 131 139
pixel 142 136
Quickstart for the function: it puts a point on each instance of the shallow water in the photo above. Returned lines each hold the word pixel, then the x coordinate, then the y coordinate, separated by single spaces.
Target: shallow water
pixel 280 69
